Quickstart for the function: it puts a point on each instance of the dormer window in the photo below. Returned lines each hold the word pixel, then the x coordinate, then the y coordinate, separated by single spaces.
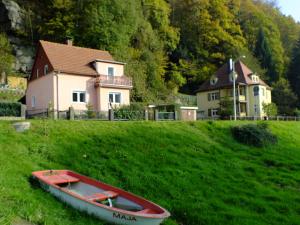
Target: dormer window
pixel 111 71
pixel 46 69
pixel 213 80
pixel 255 78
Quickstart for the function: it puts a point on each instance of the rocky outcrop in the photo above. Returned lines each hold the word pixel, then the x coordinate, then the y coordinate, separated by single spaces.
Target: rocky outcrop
pixel 12 22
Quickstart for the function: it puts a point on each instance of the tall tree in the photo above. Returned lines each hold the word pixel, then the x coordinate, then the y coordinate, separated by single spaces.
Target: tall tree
pixel 294 71
pixel 284 98
pixel 6 57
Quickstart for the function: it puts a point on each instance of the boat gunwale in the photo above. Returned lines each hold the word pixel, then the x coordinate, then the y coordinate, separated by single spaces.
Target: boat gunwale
pixel 163 215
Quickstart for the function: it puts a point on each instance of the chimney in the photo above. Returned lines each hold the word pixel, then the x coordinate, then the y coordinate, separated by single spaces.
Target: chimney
pixel 70 42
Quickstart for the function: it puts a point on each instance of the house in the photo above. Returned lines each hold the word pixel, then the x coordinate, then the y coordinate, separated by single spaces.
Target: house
pixel 64 75
pixel 251 92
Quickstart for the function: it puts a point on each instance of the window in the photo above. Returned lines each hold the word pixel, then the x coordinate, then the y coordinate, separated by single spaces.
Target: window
pixel 37 73
pixel 213 80
pixel 255 109
pixel 79 96
pixel 115 97
pixel 213 96
pixel 46 69
pixel 214 112
pixel 33 101
pixel 242 91
pixel 256 91
pixel 111 71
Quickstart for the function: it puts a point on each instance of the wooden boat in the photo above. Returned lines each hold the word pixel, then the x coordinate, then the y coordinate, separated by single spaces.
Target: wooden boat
pixel 99 199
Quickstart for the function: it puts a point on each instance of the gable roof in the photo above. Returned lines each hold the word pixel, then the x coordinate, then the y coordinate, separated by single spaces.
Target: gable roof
pixel 222 75
pixel 73 59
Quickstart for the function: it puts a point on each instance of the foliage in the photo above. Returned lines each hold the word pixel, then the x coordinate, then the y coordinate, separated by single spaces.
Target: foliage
pixel 90 111
pixel 6 57
pixel 134 111
pixel 196 166
pixel 174 45
pixel 256 135
pixel 10 109
pixel 226 108
pixel 11 95
pixel 284 98
pixel 294 71
pixel 270 109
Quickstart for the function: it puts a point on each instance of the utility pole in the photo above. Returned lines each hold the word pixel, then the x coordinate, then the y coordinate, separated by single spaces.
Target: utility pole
pixel 232 68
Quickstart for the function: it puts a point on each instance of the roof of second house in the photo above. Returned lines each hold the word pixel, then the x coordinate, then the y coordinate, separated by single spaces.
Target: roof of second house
pixel 223 78
pixel 73 59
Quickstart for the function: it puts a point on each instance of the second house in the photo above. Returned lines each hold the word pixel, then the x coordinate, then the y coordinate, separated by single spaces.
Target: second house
pixel 64 75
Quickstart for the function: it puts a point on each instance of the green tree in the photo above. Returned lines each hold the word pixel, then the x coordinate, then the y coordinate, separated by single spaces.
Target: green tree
pixel 6 56
pixel 284 98
pixel 226 108
pixel 59 20
pixel 294 71
pixel 270 109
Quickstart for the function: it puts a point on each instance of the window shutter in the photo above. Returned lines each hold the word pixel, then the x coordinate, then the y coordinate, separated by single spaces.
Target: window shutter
pixel 209 112
pixel 209 97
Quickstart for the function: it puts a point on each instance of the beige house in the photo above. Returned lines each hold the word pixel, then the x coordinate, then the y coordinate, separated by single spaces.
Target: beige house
pixel 64 75
pixel 251 92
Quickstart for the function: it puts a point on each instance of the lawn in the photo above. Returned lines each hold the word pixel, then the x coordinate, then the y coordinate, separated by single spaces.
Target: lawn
pixel 196 170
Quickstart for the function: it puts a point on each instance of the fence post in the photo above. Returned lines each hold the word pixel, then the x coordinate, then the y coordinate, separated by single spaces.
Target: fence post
pixel 23 111
pixel 156 115
pixel 176 115
pixel 111 114
pixel 146 115
pixel 71 113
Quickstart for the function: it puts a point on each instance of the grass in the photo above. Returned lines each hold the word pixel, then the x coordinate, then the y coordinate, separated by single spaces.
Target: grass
pixel 196 170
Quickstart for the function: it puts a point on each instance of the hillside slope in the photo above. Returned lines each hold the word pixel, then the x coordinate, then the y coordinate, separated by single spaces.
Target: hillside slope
pixel 195 170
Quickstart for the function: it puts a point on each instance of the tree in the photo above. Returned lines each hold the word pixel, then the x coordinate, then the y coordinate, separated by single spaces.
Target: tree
pixel 294 71
pixel 284 98
pixel 226 108
pixel 270 109
pixel 6 57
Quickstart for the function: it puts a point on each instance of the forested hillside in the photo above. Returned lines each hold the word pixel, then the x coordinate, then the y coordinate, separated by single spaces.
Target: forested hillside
pixel 173 45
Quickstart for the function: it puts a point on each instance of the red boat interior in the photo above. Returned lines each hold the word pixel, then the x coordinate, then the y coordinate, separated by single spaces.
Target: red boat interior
pixel 97 192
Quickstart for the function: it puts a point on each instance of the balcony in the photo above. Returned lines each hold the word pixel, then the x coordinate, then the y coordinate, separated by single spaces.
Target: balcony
pixel 113 81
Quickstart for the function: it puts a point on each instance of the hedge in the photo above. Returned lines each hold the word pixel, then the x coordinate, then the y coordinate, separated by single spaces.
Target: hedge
pixel 10 109
pixel 257 135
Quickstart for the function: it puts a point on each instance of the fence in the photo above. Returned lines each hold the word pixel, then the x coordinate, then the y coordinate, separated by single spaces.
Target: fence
pixel 271 118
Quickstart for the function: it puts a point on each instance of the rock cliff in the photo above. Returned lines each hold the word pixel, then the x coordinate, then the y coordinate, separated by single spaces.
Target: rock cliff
pixel 13 23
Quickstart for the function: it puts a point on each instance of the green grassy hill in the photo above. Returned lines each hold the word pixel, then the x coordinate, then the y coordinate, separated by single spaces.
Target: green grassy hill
pixel 195 170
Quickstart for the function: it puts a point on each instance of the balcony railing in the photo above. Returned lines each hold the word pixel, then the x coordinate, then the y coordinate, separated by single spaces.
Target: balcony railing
pixel 120 81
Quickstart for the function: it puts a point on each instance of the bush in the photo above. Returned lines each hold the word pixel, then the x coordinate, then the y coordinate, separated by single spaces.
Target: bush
pixel 254 135
pixel 10 109
pixel 134 111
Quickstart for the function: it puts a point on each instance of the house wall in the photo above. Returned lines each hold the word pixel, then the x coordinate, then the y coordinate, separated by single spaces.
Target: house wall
pixel 67 84
pixel 103 97
pixel 203 103
pixel 43 90
pixel 40 61
pixel 263 97
pixel 102 68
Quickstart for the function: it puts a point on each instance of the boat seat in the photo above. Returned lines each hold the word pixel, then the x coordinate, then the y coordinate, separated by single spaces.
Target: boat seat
pixel 102 196
pixel 61 179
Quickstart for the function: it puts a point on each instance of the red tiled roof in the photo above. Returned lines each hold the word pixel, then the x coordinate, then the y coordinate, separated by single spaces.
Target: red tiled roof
pixel 73 59
pixel 223 78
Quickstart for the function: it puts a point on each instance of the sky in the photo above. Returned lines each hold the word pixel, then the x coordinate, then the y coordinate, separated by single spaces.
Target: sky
pixel 290 7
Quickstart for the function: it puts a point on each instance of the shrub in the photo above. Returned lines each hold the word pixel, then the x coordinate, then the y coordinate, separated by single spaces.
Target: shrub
pixel 134 111
pixel 10 109
pixel 257 135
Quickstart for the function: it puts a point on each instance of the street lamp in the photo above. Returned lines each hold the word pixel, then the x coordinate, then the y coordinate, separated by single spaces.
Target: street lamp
pixel 234 76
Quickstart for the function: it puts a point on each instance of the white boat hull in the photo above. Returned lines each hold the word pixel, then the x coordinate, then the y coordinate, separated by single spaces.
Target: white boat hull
pixel 99 212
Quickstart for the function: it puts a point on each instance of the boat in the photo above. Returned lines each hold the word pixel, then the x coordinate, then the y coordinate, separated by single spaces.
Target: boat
pixel 101 200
